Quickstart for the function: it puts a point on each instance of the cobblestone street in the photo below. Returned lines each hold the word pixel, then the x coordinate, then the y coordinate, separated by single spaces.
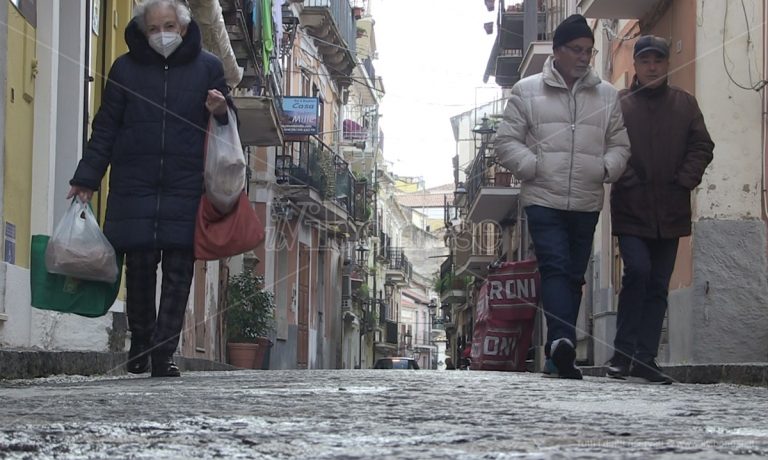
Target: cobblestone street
pixel 377 414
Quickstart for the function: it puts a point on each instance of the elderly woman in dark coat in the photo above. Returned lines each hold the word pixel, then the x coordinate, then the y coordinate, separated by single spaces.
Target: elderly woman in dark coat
pixel 151 129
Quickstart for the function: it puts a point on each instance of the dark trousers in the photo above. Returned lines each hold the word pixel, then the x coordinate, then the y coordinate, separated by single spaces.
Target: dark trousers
pixel 563 244
pixel 161 330
pixel 648 265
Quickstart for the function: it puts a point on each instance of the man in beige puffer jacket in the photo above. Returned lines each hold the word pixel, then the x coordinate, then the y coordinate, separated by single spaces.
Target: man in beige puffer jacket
pixel 563 136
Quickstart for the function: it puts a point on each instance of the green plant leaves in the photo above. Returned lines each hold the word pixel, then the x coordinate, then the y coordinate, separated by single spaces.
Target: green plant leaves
pixel 250 309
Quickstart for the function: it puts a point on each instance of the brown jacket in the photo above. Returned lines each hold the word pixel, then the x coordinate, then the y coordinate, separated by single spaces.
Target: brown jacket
pixel 671 148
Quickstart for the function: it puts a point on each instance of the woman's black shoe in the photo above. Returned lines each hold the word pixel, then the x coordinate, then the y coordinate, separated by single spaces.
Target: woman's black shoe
pixel 138 357
pixel 618 366
pixel 164 367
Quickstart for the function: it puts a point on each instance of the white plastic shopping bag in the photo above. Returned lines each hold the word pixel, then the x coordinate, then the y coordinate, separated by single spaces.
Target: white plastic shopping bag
pixel 224 164
pixel 79 249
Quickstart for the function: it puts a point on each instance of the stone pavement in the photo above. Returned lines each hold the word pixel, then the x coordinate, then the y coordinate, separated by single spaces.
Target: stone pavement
pixel 29 364
pixel 351 414
pixel 26 364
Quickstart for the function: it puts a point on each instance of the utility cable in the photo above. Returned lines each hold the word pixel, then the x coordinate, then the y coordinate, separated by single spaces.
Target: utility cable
pixel 755 86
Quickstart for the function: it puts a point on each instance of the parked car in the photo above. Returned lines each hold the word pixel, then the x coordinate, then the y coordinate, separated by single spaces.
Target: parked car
pixel 396 363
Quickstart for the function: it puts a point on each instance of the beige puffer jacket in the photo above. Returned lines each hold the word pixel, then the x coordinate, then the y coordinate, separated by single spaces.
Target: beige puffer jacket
pixel 563 145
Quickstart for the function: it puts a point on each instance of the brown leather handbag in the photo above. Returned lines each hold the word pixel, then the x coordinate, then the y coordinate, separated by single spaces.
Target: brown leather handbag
pixel 218 235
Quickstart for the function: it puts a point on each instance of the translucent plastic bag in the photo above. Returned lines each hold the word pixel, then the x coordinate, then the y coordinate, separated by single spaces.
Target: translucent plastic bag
pixel 78 249
pixel 224 164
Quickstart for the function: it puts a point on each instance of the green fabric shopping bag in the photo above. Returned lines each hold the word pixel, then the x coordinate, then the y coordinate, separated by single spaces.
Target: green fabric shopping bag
pixel 65 294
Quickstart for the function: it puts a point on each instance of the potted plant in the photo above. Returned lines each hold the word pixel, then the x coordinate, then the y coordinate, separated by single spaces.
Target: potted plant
pixel 249 318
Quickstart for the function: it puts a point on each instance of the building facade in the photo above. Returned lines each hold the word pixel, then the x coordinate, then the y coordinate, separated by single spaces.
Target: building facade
pixel 313 199
pixel 718 289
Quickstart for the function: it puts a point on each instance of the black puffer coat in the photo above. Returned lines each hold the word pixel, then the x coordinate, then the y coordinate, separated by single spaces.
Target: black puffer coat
pixel 151 129
pixel 671 149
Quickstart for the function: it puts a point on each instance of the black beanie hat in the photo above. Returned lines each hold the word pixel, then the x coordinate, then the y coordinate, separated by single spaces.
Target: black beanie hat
pixel 573 27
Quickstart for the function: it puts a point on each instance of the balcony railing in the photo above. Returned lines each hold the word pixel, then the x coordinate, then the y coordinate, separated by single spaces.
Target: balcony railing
pixel 358 127
pixel 310 164
pixel 485 172
pixel 512 29
pixel 332 22
pixel 398 261
pixel 446 267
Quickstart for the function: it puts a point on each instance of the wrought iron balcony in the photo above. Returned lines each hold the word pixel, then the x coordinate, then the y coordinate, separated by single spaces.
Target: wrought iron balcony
pixel 317 177
pixel 331 23
pixel 507 54
pixel 399 269
pixel 492 190
pixel 512 30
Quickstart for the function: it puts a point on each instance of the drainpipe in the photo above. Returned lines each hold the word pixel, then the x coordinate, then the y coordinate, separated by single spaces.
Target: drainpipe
pixel 764 117
pixel 3 82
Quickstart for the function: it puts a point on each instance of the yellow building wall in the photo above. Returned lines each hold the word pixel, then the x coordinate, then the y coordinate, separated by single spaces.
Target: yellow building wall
pixel 406 187
pixel 19 123
pixel 107 46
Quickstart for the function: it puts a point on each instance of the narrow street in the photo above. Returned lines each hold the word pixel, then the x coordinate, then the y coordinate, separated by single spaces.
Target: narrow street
pixel 377 414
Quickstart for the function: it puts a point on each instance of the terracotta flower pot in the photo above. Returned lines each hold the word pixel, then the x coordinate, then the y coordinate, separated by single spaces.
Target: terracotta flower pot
pixel 502 179
pixel 248 355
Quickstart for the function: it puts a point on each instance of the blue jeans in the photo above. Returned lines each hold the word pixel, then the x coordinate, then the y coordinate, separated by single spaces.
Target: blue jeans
pixel 648 265
pixel 563 244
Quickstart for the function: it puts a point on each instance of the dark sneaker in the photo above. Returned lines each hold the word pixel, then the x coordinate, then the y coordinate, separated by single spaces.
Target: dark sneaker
pixel 564 359
pixel 618 366
pixel 648 372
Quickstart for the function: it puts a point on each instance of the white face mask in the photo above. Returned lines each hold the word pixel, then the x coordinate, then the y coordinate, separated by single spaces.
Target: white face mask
pixel 165 43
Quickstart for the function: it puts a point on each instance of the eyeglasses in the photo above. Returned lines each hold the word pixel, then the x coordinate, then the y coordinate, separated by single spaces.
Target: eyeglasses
pixel 591 52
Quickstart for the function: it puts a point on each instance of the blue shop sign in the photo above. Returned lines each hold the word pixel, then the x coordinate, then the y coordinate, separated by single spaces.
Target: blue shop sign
pixel 299 115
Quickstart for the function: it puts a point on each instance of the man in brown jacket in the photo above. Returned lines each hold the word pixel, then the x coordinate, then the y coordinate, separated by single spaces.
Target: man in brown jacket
pixel 651 204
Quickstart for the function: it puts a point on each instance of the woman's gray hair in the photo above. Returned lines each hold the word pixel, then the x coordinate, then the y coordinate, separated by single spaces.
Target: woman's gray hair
pixel 182 12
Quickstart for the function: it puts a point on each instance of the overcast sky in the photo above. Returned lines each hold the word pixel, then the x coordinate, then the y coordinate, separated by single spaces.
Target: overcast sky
pixel 432 57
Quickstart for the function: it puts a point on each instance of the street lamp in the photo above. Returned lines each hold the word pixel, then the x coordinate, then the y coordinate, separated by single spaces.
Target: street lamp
pixel 485 129
pixel 459 195
pixel 432 306
pixel 362 253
